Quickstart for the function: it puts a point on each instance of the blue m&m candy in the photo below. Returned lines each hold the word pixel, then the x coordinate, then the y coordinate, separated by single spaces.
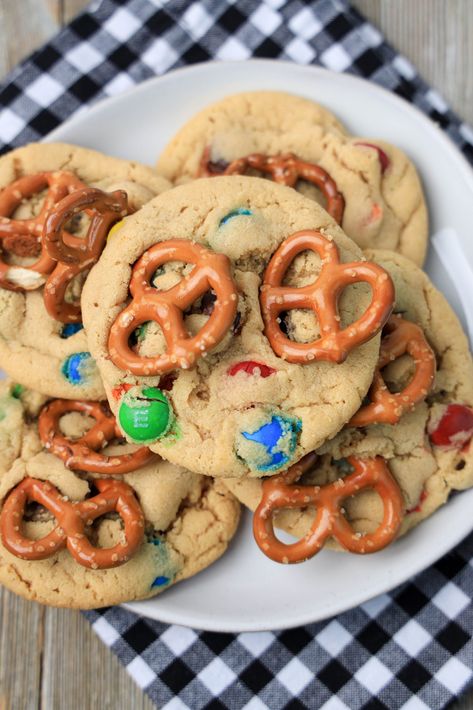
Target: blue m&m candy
pixel 163 563
pixel 70 329
pixel 239 212
pixel 276 440
pixel 77 368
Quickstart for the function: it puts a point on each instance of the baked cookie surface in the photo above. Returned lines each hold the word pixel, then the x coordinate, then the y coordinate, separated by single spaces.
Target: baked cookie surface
pixel 258 121
pixel 428 451
pixel 188 519
pixel 385 206
pixel 384 201
pixel 36 349
pixel 239 409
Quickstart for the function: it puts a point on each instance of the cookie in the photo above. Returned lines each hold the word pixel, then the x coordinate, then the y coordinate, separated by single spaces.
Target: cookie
pixel 174 523
pixel 227 401
pixel 384 200
pixel 428 451
pixel 291 140
pixel 37 349
pixel 257 121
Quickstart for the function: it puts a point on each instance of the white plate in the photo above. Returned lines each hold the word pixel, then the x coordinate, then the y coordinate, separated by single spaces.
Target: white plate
pixel 244 591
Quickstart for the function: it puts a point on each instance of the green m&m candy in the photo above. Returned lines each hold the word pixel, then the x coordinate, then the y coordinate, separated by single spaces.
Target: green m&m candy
pixel 145 414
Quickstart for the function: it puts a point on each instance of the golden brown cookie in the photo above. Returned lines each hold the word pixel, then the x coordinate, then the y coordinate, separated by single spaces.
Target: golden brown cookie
pixel 429 450
pixel 36 349
pixel 255 121
pixel 384 204
pixel 238 405
pixel 187 520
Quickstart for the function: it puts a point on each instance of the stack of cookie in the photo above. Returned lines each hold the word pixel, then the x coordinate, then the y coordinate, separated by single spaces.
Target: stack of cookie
pixel 248 323
pixel 87 520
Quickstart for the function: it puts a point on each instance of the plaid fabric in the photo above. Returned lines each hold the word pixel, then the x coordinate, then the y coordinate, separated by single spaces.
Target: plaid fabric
pixel 118 43
pixel 411 648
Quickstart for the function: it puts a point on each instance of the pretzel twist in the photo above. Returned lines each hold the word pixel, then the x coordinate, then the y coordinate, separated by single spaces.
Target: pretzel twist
pixel 322 297
pixel 72 521
pixel 282 492
pixel 104 209
pixel 211 271
pixel 54 294
pixel 75 257
pixel 399 337
pixel 23 237
pixel 83 454
pixel 288 169
pixel 210 168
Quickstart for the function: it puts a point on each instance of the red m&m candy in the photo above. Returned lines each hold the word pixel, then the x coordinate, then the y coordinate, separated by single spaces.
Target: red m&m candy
pixel 382 157
pixel 418 507
pixel 455 427
pixel 251 368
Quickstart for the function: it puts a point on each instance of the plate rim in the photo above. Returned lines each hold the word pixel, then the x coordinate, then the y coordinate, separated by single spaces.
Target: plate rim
pixel 465 170
pixel 144 85
pixel 140 607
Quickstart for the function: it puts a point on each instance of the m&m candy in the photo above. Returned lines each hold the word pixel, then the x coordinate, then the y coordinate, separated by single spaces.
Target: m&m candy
pixel 454 429
pixel 145 414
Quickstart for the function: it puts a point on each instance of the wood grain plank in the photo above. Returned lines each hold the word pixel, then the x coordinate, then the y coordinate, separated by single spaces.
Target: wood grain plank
pixel 21 652
pixel 436 37
pixel 71 8
pixel 55 9
pixel 4 61
pixel 24 26
pixel 78 665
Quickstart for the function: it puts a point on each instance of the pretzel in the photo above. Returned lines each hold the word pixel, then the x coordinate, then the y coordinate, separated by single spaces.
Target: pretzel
pixel 23 236
pixel 322 296
pixel 211 271
pixel 287 169
pixel 72 521
pixel 282 492
pixel 399 337
pixel 209 167
pixel 54 294
pixel 105 209
pixel 83 454
pixel 75 257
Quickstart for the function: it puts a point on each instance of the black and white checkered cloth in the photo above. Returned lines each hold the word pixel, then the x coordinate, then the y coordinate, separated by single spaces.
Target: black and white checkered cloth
pixel 409 649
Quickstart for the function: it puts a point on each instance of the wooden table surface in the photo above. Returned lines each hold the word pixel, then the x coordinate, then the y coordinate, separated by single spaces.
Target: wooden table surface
pixel 49 658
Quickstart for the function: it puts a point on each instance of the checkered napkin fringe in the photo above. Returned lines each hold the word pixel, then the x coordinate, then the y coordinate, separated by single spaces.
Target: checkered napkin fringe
pixel 411 648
